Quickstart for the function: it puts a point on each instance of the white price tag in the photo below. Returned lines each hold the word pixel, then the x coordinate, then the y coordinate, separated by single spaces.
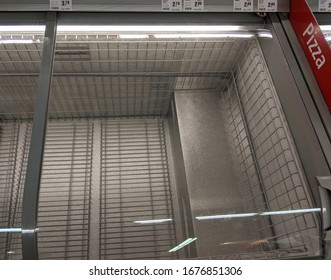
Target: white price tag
pixel 60 5
pixel 194 5
pixel 267 6
pixel 172 5
pixel 243 5
pixel 324 6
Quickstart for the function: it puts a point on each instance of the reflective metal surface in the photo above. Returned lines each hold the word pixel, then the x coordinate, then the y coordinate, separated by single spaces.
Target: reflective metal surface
pixel 162 147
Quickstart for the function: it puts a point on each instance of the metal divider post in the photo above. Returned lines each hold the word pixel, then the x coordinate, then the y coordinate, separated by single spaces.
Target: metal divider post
pixel 34 166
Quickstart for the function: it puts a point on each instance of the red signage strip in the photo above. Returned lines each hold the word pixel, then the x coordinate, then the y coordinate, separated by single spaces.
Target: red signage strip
pixel 314 45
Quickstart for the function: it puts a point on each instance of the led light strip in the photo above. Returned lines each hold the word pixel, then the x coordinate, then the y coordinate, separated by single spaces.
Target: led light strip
pixel 146 28
pixel 226 216
pixel 17 41
pixel 146 222
pixel 10 230
pixel 173 36
pixel 133 36
pixel 121 28
pixel 22 28
pixel 245 215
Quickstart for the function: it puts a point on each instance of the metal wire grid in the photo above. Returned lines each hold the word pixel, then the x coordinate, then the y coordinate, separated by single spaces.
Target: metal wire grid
pixel 13 143
pixel 64 203
pixel 135 187
pixel 271 174
pixel 20 57
pixel 92 71
pixel 17 97
pixel 110 96
pixel 99 75
pixel 97 54
pixel 18 61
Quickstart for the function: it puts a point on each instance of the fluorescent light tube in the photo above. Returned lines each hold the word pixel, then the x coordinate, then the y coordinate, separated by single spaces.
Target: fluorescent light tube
pixel 226 216
pixel 284 212
pixel 10 230
pixel 243 215
pixel 325 27
pixel 133 36
pixel 22 28
pixel 174 36
pixel 146 28
pixel 146 222
pixel 122 28
pixel 16 41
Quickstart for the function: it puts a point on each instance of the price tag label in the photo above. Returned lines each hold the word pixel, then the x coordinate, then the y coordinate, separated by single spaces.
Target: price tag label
pixel 243 5
pixel 172 5
pixel 267 5
pixel 324 6
pixel 194 5
pixel 60 5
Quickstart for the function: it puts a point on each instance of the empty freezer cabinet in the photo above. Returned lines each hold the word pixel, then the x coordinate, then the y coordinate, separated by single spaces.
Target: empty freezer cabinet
pixel 325 24
pixel 158 146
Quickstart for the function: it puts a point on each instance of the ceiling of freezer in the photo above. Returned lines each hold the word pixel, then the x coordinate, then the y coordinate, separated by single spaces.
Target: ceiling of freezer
pixel 108 75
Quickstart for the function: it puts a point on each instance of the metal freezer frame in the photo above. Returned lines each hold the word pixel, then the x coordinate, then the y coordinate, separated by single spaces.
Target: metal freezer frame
pixel 304 118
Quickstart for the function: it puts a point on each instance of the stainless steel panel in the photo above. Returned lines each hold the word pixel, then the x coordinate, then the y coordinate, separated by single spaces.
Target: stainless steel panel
pixel 247 164
pixel 212 187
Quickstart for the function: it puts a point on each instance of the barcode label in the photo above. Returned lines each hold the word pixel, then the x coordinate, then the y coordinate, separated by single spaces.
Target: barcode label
pixel 194 5
pixel 172 5
pixel 267 5
pixel 243 5
pixel 60 5
pixel 324 6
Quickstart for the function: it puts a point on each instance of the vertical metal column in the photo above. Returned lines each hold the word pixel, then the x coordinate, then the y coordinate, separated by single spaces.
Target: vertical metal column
pixel 181 181
pixel 34 167
pixel 95 232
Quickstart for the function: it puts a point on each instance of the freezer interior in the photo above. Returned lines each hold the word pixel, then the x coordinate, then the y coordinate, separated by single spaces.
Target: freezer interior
pixel 326 29
pixel 157 147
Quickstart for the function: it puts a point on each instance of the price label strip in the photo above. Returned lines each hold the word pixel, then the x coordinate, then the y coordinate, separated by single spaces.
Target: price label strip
pixel 324 6
pixel 267 5
pixel 172 5
pixel 243 5
pixel 60 5
pixel 194 5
